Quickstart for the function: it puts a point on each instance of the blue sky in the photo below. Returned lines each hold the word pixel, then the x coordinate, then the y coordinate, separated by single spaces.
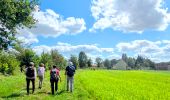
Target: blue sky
pixel 102 28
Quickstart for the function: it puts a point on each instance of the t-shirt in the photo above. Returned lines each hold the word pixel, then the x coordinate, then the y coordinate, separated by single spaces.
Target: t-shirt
pixel 41 71
pixel 57 71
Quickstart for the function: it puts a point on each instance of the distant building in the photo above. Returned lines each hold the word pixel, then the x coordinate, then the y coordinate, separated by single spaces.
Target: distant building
pixel 162 66
pixel 121 65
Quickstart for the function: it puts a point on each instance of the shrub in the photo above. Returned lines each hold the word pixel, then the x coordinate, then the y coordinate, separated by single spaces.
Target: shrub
pixel 8 63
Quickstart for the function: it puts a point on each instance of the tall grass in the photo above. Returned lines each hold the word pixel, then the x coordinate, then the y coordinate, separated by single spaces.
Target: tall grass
pixel 94 85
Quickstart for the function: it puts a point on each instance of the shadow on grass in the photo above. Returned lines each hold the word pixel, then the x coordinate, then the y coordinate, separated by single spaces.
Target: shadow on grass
pixel 61 92
pixel 15 95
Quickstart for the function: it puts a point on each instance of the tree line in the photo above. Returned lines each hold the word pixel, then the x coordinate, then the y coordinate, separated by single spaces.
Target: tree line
pixel 19 57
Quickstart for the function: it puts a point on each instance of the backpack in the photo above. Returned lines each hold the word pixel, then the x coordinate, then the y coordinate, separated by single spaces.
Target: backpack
pixel 53 74
pixel 30 72
pixel 70 71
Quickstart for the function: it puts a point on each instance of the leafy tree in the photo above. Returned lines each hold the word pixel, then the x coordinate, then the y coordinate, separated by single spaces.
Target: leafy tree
pixel 139 62
pixel 46 59
pixel 74 60
pixel 8 63
pixel 82 59
pixel 14 14
pixel 89 62
pixel 58 59
pixel 124 57
pixel 99 62
pixel 107 64
pixel 131 63
pixel 113 62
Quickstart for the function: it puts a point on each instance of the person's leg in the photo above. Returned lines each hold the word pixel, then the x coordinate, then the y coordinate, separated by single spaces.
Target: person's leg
pixel 56 85
pixel 52 86
pixel 40 81
pixel 28 83
pixel 67 83
pixel 71 83
pixel 33 85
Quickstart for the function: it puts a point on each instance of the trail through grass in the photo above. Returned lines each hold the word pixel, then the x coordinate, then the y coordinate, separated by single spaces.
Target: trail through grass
pixel 95 85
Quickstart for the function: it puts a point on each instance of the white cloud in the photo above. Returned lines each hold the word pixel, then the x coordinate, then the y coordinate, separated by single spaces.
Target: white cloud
pixel 157 51
pixel 27 38
pixel 68 48
pixel 49 23
pixel 130 15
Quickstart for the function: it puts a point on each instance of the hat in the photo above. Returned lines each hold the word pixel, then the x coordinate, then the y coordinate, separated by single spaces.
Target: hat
pixel 31 64
pixel 70 63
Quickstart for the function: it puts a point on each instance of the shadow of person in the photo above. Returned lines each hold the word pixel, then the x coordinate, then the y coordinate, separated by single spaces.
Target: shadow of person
pixel 13 95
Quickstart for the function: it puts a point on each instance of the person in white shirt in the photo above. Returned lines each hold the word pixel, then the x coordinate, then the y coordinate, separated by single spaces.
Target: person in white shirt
pixel 41 72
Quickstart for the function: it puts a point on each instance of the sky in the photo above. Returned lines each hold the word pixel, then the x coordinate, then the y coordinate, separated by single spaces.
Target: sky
pixel 101 28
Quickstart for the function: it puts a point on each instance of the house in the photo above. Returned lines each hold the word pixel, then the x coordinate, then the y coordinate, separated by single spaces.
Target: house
pixel 121 65
pixel 162 66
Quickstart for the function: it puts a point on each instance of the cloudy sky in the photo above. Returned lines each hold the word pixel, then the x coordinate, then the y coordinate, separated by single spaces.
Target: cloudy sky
pixel 102 28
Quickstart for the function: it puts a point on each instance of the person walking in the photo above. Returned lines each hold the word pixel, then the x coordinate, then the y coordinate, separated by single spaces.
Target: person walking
pixel 69 72
pixel 30 76
pixel 54 78
pixel 41 72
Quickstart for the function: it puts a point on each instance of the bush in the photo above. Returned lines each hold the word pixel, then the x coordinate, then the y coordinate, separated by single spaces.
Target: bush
pixel 8 63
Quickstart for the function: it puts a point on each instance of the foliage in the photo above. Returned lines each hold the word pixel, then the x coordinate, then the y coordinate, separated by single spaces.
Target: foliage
pixel 14 14
pixel 46 59
pixel 8 63
pixel 82 59
pixel 89 62
pixel 124 57
pixel 107 64
pixel 58 59
pixel 113 62
pixel 99 62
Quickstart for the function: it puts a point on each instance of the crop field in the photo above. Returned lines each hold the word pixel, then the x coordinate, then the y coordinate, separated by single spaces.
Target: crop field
pixel 94 85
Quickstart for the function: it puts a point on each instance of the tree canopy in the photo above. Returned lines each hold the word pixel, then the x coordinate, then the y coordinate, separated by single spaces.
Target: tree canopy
pixel 14 14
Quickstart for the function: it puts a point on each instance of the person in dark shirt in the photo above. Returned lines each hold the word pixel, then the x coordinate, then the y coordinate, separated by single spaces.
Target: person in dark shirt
pixel 69 72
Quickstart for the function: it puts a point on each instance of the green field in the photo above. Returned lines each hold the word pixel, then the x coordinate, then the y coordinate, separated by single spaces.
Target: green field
pixel 95 85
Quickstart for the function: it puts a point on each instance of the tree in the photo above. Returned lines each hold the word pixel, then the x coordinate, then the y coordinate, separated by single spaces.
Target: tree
pixel 107 64
pixel 46 59
pixel 99 62
pixel 14 14
pixel 113 62
pixel 124 57
pixel 139 62
pixel 89 62
pixel 131 63
pixel 82 59
pixel 74 60
pixel 58 59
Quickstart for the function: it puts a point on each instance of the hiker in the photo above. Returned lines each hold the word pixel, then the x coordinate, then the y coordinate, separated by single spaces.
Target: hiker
pixel 70 71
pixel 41 71
pixel 54 78
pixel 30 76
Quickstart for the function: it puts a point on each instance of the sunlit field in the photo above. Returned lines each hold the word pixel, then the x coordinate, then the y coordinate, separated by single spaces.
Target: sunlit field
pixel 95 85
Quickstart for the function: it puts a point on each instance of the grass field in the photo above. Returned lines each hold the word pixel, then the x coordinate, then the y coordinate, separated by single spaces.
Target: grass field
pixel 95 85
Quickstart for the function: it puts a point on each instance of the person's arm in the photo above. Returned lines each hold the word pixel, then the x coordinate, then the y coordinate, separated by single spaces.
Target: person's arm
pixel 26 70
pixel 35 72
pixel 66 71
